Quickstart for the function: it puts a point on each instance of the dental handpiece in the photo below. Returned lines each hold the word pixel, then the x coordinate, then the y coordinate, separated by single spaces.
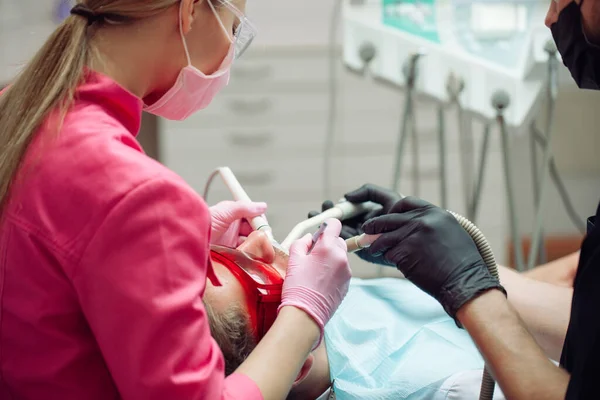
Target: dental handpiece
pixel 259 223
pixel 360 242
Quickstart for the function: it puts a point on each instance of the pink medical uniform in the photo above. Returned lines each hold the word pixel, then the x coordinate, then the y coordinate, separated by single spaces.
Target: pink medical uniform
pixel 103 264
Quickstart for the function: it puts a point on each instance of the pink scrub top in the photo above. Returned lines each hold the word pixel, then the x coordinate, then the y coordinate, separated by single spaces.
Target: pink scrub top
pixel 103 263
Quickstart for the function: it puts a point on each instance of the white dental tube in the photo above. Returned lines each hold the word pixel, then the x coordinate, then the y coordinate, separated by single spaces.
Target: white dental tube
pixel 341 211
pixel 259 223
pixel 360 242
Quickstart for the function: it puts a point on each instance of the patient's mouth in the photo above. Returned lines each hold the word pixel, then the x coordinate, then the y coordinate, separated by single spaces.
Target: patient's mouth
pixel 281 262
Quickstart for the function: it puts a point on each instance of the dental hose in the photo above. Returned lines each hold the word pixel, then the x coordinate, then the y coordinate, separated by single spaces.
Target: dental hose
pixel 485 250
pixel 363 241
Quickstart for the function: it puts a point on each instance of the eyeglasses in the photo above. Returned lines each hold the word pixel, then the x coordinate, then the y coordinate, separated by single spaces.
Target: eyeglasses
pixel 261 282
pixel 244 31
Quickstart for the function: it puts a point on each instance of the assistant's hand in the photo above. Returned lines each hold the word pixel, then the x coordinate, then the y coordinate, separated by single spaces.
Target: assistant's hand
pixel 554 10
pixel 353 227
pixel 230 221
pixel 432 250
pixel 318 282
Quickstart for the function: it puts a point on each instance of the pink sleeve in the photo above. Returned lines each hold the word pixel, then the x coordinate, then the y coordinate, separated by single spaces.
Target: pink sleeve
pixel 239 386
pixel 140 283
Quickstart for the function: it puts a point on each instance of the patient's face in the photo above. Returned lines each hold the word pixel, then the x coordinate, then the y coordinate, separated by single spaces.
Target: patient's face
pixel 231 291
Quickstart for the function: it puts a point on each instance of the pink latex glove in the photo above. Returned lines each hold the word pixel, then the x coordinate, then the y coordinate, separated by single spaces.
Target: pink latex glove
pixel 317 283
pixel 230 221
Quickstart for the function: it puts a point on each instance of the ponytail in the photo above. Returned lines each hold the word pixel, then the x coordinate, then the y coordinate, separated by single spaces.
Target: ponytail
pixel 47 82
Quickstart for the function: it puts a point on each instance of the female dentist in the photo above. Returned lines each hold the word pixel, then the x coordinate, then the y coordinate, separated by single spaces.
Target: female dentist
pixel 104 253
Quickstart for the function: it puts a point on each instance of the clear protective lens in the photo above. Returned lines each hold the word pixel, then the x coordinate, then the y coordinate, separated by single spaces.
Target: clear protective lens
pixel 244 32
pixel 243 36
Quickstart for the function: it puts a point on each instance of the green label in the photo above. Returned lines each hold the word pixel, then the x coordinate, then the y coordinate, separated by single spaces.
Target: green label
pixel 416 17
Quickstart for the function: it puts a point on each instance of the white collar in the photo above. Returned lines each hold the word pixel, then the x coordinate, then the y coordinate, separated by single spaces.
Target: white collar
pixel 327 394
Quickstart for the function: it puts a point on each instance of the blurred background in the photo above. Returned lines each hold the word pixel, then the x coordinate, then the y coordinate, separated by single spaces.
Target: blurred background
pixel 303 120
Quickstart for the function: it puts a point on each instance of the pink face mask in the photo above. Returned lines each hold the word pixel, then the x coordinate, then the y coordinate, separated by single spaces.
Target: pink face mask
pixel 193 90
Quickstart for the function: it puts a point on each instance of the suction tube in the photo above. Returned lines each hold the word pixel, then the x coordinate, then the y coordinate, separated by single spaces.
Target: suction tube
pixel 357 243
pixel 341 211
pixel 259 223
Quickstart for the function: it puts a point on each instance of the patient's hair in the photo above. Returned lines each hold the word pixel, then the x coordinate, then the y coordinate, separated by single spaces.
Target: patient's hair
pixel 233 333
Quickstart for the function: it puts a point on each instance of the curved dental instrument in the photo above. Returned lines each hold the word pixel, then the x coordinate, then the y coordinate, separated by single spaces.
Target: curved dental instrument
pixel 317 235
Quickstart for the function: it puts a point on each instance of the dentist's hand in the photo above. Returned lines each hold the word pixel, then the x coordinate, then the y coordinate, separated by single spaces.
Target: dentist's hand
pixel 433 251
pixel 318 282
pixel 230 221
pixel 353 227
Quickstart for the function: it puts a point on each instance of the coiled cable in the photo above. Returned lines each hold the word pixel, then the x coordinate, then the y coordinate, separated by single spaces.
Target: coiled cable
pixel 485 250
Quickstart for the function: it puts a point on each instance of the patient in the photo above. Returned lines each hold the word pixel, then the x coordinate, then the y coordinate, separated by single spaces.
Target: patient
pixel 560 272
pixel 388 339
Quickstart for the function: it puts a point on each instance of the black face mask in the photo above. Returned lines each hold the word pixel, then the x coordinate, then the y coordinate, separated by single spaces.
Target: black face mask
pixel 581 57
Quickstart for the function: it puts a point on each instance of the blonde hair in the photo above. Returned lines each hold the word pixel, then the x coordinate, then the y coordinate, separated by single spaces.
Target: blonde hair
pixel 233 333
pixel 48 82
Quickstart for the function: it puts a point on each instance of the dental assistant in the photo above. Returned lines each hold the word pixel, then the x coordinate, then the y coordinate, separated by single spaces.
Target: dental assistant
pixel 104 253
pixel 432 250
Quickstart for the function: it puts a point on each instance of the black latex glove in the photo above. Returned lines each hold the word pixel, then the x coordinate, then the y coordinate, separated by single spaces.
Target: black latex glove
pixel 433 251
pixel 353 226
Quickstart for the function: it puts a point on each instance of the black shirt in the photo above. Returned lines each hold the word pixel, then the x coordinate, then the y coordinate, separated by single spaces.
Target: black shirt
pixel 581 351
